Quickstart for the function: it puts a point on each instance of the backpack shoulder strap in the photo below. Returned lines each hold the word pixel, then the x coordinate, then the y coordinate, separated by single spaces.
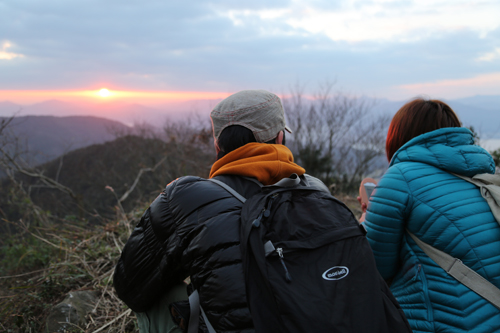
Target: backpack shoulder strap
pixel 291 181
pixel 461 272
pixel 489 186
pixel 194 316
pixel 229 189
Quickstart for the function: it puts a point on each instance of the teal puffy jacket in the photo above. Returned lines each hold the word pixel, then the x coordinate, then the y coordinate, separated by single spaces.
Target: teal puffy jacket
pixel 419 194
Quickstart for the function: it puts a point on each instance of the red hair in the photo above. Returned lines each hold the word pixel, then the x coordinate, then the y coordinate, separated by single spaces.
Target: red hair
pixel 415 118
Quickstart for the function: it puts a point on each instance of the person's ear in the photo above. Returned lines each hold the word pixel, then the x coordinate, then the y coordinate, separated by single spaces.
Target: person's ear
pixel 279 138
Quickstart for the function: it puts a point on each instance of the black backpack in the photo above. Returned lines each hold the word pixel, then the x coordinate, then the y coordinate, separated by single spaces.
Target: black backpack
pixel 308 265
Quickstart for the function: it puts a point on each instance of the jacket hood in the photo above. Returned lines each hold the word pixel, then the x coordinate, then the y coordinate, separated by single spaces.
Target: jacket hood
pixel 451 149
pixel 269 163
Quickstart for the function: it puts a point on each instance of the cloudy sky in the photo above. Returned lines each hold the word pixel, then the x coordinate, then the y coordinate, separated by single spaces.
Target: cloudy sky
pixel 381 48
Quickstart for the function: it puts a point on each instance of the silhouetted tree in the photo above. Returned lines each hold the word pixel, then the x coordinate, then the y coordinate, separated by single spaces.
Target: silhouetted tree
pixel 335 138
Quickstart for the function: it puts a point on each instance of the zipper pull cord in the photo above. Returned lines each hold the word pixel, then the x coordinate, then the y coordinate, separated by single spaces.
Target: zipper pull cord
pixel 266 212
pixel 288 277
pixel 256 222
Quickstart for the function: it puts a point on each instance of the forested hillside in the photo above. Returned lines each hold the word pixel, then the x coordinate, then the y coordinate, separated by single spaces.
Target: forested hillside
pixel 63 223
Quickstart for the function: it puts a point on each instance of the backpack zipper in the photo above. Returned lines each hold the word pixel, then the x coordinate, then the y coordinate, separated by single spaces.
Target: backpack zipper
pixel 256 222
pixel 266 212
pixel 279 250
pixel 288 277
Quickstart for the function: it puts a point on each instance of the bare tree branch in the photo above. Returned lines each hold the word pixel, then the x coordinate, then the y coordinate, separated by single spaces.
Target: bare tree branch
pixel 136 181
pixel 48 181
pixel 335 136
pixel 60 167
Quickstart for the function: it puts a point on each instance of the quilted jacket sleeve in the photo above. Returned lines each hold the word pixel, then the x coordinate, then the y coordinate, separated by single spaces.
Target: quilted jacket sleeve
pixel 141 275
pixel 386 220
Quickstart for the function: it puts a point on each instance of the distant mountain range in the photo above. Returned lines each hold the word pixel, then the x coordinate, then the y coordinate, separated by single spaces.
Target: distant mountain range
pixel 47 137
pixel 55 127
pixel 126 113
pixel 481 112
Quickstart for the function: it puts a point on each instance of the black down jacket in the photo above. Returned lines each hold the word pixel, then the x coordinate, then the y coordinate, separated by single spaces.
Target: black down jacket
pixel 191 229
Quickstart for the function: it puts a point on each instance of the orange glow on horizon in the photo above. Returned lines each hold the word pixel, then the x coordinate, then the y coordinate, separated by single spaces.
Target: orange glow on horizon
pixel 106 94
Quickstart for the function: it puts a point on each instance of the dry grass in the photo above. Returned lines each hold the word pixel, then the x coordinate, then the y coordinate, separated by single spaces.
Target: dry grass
pixel 80 259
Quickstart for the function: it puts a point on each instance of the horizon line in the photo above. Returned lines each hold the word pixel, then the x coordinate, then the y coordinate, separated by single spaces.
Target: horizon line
pixel 40 96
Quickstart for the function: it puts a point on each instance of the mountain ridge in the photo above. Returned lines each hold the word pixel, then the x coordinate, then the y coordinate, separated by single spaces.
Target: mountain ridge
pixel 480 111
pixel 47 137
pixel 50 136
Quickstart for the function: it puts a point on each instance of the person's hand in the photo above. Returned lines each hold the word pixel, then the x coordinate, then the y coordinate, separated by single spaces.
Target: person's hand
pixel 364 206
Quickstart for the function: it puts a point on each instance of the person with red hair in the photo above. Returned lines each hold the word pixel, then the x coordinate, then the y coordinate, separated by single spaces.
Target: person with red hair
pixel 420 193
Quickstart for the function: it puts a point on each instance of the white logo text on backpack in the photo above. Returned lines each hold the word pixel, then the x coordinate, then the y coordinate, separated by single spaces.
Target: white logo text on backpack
pixel 336 273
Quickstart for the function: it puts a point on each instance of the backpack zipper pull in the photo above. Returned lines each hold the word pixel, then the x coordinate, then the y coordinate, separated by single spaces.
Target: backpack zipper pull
pixel 288 277
pixel 267 210
pixel 256 222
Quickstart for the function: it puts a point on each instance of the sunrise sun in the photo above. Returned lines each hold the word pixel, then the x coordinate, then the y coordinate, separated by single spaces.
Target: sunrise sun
pixel 104 92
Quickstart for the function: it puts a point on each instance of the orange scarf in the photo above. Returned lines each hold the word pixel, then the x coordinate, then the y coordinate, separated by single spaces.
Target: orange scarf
pixel 269 163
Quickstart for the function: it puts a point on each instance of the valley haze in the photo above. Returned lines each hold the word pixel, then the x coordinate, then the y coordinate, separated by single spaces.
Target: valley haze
pixel 481 112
